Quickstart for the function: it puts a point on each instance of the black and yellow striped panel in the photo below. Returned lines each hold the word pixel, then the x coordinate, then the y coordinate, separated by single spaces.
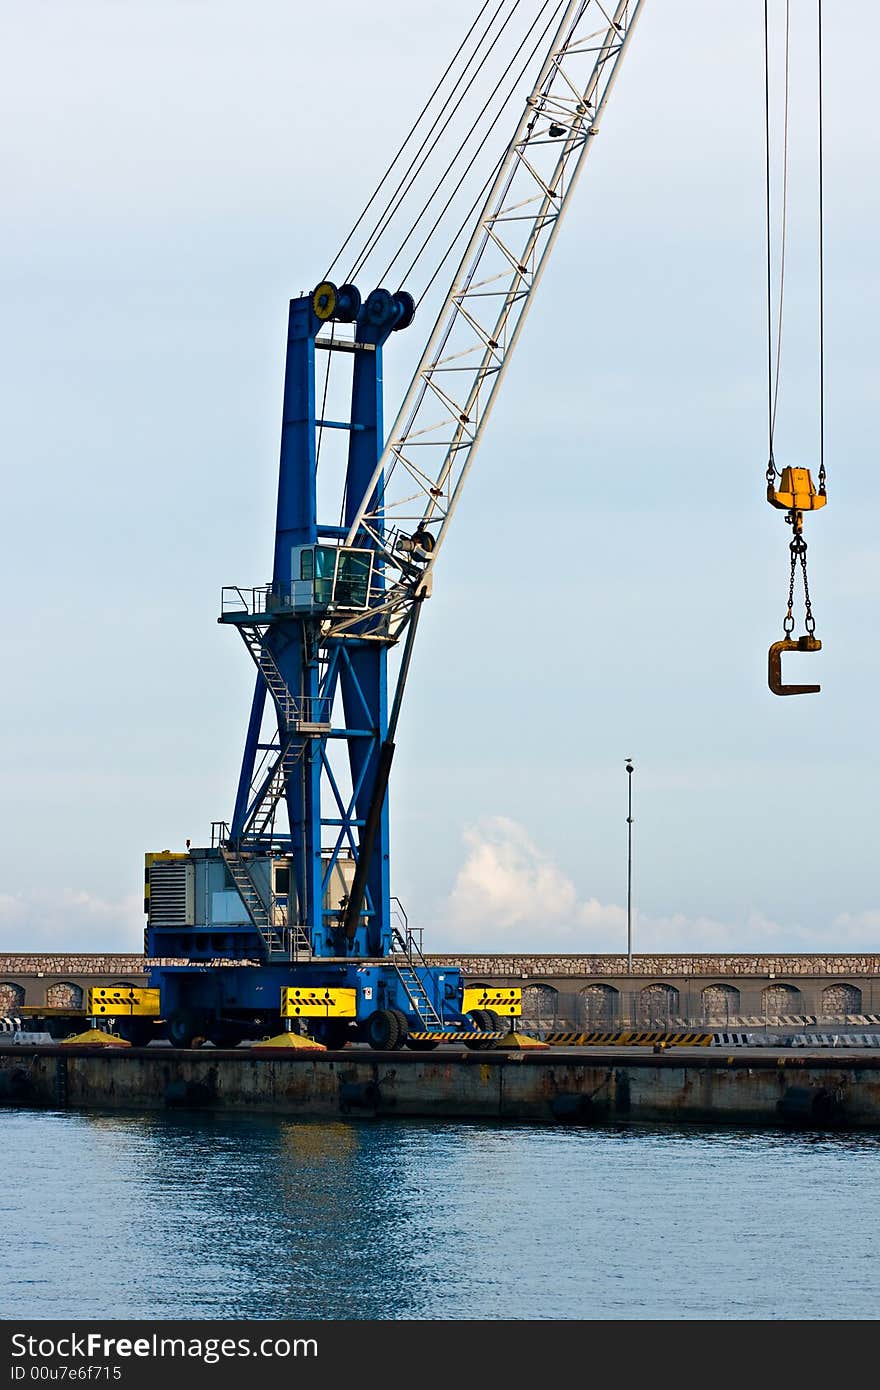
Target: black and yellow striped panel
pixel 505 1000
pixel 331 1002
pixel 629 1038
pixel 123 1001
pixel 452 1037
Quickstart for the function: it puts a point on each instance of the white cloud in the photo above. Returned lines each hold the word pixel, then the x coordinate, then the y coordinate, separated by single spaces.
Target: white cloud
pixel 74 920
pixel 509 895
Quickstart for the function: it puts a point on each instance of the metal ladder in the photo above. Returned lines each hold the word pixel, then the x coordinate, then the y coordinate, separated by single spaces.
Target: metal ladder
pixel 281 943
pixel 264 816
pixel 297 714
pixel 415 990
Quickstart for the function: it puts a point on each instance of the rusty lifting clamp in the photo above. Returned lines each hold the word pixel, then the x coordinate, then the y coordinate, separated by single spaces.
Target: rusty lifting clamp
pixel 795 495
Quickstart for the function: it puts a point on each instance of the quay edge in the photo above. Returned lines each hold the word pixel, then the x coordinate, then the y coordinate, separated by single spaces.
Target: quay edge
pixel 762 1087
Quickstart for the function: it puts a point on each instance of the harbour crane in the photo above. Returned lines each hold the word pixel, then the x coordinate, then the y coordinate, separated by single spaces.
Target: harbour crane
pixel 286 917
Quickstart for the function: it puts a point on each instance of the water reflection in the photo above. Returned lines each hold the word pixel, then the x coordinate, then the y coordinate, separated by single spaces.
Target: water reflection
pixel 208 1215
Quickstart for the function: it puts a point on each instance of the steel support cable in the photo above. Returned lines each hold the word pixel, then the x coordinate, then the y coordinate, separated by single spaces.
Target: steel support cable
pixel 388 216
pixel 324 397
pixel 450 65
pixel 382 222
pixel 502 194
pixel 481 193
pixel 773 377
pixel 821 264
pixel 608 51
pixel 469 164
pixel 464 223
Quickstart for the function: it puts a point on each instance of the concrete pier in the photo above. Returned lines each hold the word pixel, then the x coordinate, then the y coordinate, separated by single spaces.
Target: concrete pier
pixel 763 1087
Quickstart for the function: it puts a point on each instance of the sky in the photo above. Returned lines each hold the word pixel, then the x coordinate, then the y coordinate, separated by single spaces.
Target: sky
pixel 172 174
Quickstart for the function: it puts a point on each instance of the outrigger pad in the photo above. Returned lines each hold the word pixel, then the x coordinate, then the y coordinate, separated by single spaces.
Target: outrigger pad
pixel 519 1040
pixel 292 1040
pixel 94 1037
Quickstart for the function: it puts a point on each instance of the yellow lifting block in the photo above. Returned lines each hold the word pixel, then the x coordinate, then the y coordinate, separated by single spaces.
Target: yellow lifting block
pixel 123 1001
pixel 297 1002
pixel 292 1040
pixel 796 492
pixel 507 1002
pixel 519 1041
pixel 94 1037
pixel 774 666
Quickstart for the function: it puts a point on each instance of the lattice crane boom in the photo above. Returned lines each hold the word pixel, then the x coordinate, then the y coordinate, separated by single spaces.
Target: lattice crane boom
pixel 415 488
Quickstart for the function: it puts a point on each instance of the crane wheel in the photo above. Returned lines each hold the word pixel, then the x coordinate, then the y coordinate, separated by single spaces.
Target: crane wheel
pixel 137 1031
pixel 403 1025
pixel 383 1030
pixel 334 1033
pixel 481 1019
pixel 185 1027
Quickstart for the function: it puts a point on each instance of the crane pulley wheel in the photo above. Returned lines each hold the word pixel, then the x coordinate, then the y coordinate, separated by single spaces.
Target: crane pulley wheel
pixel 342 303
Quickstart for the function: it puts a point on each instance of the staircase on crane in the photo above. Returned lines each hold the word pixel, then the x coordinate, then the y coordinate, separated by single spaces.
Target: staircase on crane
pixel 281 942
pixel 408 975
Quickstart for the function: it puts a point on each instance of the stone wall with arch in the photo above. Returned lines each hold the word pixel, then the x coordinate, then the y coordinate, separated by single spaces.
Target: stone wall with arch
pixel 63 994
pixel 540 1007
pixel 841 999
pixel 658 1005
pixel 11 997
pixel 781 999
pixel 720 1003
pixel 600 1006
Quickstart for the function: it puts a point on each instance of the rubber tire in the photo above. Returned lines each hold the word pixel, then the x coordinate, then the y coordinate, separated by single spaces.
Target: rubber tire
pixel 183 1027
pixel 478 1018
pixel 334 1033
pixel 494 1022
pixel 403 1024
pixel 383 1030
pixel 137 1031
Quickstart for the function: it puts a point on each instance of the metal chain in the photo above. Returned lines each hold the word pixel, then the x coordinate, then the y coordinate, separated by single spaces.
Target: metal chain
pixel 798 549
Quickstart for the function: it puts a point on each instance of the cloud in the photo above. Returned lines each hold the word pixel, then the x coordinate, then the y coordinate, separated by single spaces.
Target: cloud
pixel 72 921
pixel 509 895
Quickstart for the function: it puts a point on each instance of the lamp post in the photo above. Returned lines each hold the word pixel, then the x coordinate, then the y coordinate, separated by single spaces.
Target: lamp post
pixel 629 864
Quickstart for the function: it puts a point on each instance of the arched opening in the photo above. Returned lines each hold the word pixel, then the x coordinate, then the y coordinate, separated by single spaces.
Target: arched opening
pixel 540 1008
pixel 658 1005
pixel 839 1000
pixel 11 998
pixel 779 1000
pixel 600 1006
pixel 720 1003
pixel 64 995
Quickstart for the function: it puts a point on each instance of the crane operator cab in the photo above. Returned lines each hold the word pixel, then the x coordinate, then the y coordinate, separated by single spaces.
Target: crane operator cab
pixel 330 577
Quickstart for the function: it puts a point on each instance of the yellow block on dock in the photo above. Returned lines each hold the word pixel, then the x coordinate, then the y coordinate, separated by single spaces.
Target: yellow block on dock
pixel 519 1040
pixel 94 1037
pixel 292 1040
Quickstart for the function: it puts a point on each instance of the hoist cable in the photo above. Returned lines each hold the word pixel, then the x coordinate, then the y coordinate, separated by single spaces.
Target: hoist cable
pixel 784 226
pixel 453 60
pixel 771 463
pixel 821 268
pixel 324 398
pixel 465 222
pixel 501 110
pixel 433 136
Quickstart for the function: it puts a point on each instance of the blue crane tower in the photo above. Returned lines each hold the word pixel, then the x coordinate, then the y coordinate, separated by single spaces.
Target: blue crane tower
pixel 287 914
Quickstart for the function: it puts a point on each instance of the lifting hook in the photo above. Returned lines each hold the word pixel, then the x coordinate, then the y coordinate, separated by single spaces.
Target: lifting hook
pixel 807 643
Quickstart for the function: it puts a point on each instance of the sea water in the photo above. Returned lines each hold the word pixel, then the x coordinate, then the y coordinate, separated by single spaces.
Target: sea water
pixel 201 1215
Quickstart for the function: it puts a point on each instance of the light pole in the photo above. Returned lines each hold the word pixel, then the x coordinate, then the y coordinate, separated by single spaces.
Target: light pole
pixel 629 865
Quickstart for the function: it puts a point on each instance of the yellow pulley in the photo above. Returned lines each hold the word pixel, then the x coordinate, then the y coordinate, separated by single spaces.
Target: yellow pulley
pixel 324 300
